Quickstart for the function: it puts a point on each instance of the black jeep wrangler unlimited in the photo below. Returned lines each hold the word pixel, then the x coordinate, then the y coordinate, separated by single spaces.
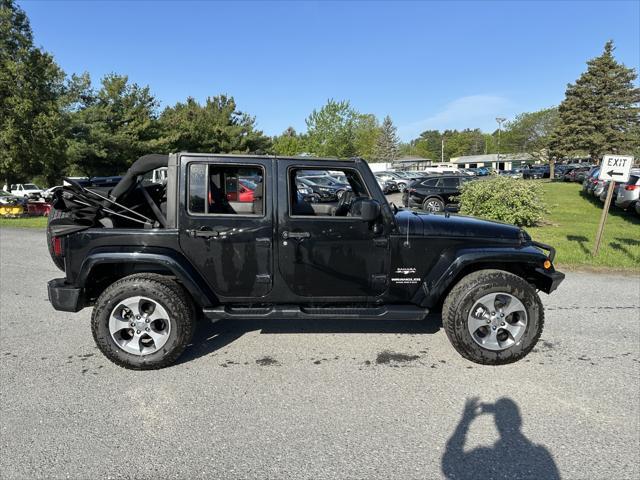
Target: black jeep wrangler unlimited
pixel 224 237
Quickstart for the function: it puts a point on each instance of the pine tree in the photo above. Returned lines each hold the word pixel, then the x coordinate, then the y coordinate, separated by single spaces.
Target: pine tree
pixel 600 113
pixel 31 88
pixel 388 142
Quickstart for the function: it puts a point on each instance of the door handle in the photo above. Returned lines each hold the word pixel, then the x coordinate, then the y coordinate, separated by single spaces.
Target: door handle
pixel 204 232
pixel 299 235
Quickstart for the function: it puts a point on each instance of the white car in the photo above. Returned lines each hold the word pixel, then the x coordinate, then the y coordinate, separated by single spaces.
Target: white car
pixel 48 193
pixel 24 190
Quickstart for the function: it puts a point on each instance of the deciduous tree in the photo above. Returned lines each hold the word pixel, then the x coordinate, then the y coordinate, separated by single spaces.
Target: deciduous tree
pixel 215 127
pixel 111 128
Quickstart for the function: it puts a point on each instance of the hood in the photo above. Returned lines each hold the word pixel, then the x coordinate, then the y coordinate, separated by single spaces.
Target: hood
pixel 443 225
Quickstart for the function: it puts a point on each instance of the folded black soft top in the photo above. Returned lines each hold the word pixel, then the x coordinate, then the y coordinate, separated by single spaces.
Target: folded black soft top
pixel 141 166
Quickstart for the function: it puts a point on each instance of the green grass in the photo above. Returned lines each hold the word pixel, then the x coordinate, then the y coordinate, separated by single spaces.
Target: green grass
pixel 571 225
pixel 24 222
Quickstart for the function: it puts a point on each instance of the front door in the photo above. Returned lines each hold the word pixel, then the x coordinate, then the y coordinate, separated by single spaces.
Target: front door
pixel 325 250
pixel 226 223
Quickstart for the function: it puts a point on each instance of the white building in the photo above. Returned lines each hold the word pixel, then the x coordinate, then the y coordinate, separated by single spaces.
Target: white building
pixel 507 161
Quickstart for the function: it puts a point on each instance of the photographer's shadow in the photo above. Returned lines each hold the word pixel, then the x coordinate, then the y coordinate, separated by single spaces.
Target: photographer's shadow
pixel 512 456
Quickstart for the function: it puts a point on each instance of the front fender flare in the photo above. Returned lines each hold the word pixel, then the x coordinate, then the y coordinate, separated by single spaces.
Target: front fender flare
pixel 453 263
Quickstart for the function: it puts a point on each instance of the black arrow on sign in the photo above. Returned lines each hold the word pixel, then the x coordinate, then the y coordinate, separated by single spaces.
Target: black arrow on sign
pixel 611 173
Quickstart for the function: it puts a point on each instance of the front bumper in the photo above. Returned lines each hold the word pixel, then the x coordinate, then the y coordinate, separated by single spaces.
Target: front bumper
pixel 548 281
pixel 65 297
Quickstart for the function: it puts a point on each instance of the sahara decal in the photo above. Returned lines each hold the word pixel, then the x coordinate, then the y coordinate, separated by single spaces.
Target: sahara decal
pixel 405 275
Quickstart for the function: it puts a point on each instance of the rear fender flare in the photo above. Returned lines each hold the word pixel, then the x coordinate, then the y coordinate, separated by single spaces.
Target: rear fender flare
pixel 179 267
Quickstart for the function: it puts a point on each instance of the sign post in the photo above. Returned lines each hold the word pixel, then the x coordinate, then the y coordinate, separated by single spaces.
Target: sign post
pixel 614 168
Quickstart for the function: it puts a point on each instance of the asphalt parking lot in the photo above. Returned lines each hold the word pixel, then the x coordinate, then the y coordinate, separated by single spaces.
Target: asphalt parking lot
pixel 331 399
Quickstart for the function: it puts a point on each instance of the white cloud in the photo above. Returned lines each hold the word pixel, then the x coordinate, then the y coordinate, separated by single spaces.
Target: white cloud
pixel 473 111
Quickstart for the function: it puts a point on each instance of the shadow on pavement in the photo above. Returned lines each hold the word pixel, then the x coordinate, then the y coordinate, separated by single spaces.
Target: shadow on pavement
pixel 210 337
pixel 513 456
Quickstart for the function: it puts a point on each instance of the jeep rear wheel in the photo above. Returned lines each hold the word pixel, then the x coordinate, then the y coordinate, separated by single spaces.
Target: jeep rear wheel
pixel 143 321
pixel 493 317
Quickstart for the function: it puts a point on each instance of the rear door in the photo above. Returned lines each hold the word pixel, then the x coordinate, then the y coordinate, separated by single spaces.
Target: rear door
pixel 449 187
pixel 228 237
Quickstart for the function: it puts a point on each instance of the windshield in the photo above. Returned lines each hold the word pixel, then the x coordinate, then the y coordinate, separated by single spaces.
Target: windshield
pixel 30 186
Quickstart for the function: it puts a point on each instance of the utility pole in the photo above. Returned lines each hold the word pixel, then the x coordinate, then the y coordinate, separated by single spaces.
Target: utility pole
pixel 499 120
pixel 442 150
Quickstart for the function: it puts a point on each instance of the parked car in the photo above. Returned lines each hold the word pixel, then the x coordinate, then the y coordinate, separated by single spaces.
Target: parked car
pixel 384 186
pixel 590 179
pixel 48 193
pixel 240 190
pixel 598 187
pixel 628 194
pixel 7 198
pixel 575 174
pixel 390 184
pixel 400 180
pixel 24 190
pixel 303 189
pixel 149 281
pixel 10 205
pixel 510 173
pixel 479 171
pixel 605 189
pixel 536 172
pixel 325 187
pixel 433 194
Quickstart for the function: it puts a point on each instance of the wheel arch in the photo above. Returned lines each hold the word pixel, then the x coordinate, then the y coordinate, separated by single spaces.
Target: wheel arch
pixel 432 196
pixel 452 267
pixel 101 269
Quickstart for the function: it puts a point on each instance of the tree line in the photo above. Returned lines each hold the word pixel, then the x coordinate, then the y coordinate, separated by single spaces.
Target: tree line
pixel 54 125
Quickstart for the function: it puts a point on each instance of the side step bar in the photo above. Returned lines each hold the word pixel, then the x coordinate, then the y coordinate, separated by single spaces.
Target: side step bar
pixel 296 312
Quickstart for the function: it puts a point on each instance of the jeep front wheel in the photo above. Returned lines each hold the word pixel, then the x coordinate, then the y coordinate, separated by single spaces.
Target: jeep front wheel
pixel 493 317
pixel 143 322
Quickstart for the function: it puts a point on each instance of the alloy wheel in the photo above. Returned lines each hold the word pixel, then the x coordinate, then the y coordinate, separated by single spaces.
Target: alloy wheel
pixel 497 321
pixel 139 325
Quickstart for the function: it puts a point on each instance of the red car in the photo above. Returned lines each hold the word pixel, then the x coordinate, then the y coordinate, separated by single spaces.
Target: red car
pixel 245 193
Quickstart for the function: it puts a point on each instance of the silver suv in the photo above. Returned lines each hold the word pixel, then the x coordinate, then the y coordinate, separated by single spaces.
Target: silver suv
pixel 629 193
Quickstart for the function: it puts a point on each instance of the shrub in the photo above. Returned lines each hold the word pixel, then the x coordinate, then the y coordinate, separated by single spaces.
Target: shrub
pixel 505 199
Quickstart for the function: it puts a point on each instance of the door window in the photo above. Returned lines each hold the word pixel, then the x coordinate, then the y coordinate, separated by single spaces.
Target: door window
pixel 448 183
pixel 430 183
pixel 216 189
pixel 326 194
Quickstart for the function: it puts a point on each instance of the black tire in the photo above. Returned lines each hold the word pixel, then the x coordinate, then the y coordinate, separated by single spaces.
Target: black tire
pixel 402 187
pixel 462 298
pixel 437 205
pixel 170 295
pixel 55 214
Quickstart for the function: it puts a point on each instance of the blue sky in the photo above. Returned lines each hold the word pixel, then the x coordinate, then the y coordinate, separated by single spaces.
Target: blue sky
pixel 427 64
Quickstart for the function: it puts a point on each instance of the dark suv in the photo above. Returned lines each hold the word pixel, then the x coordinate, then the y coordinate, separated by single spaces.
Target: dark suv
pixel 433 194
pixel 153 258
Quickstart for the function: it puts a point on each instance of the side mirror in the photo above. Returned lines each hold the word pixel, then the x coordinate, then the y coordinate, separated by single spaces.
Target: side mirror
pixel 369 210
